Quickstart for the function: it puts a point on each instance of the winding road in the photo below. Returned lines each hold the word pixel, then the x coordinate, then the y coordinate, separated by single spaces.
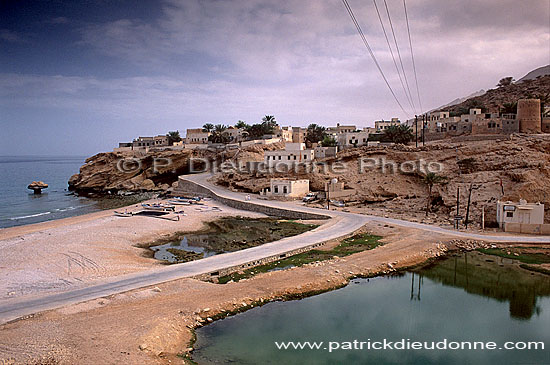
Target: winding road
pixel 340 224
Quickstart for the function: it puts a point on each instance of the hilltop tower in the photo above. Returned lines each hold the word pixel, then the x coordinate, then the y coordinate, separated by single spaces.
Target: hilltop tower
pixel 529 116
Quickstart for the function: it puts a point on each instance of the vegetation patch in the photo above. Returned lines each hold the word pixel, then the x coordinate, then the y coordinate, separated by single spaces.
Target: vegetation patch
pixel 538 269
pixel 534 258
pixel 357 243
pixel 228 234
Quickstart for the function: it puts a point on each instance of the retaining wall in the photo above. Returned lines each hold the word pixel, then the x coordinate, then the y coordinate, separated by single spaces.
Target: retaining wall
pixel 543 229
pixel 185 187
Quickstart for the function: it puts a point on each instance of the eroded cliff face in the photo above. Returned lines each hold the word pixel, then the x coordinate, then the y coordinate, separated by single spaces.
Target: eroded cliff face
pixel 113 172
pixel 155 171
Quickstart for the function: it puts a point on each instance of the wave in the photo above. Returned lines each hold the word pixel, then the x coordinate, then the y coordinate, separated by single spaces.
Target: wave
pixel 29 216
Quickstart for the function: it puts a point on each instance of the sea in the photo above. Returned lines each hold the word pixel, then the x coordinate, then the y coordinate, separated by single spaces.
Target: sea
pixel 19 205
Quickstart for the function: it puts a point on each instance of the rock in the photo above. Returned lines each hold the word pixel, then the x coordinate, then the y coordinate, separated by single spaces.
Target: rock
pixel 147 184
pixel 37 186
pixel 157 289
pixel 209 319
pixel 206 310
pixel 143 347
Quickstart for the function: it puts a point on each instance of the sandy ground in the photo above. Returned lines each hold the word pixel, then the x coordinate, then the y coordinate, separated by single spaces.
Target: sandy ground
pixel 154 325
pixel 58 255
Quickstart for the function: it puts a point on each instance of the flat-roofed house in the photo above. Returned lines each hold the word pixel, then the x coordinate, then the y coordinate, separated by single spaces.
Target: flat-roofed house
pixel 196 136
pixel 286 188
pixel 293 153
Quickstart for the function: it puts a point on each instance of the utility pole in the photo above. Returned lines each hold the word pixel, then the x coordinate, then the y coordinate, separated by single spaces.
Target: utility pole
pixel 416 129
pixel 457 216
pixel 423 126
pixel 469 199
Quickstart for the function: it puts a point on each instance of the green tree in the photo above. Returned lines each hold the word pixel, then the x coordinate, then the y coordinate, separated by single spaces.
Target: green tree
pixel 208 127
pixel 218 134
pixel 266 127
pixel 398 134
pixel 509 108
pixel 241 124
pixel 505 81
pixel 431 179
pixel 314 134
pixel 173 136
pixel 328 141
pixel 269 119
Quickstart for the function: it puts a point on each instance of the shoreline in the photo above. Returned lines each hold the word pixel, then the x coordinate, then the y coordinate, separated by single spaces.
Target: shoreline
pixel 184 304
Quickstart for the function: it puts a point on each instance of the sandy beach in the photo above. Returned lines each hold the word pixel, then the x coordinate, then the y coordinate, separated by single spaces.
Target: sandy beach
pixel 154 325
pixel 57 255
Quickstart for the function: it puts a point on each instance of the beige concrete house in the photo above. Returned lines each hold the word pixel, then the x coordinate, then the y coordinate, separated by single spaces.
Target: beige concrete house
pixel 286 188
pixel 381 125
pixel 352 139
pixel 522 217
pixel 292 154
pixel 196 136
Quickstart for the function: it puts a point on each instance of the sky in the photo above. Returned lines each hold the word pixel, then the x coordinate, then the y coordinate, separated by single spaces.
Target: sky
pixel 79 76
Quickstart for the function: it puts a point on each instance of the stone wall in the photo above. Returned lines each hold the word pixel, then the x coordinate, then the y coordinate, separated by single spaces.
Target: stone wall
pixel 543 229
pixel 186 187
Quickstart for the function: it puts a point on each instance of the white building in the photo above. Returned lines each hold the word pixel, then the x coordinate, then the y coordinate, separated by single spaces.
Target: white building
pixel 286 188
pixel 292 154
pixel 353 139
pixel 381 125
pixel 522 212
pixel 196 136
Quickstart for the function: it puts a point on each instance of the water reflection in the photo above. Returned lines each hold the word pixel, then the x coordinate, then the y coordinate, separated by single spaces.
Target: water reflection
pixel 493 277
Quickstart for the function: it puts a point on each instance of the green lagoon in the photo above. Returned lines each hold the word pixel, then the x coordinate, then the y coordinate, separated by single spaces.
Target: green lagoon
pixel 467 297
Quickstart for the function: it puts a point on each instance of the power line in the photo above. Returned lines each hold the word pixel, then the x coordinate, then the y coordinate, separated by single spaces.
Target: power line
pixel 398 52
pixel 392 55
pixel 412 55
pixel 362 35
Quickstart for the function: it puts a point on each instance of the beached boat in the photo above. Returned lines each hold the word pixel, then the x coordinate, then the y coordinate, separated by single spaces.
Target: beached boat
pixel 159 207
pixel 123 214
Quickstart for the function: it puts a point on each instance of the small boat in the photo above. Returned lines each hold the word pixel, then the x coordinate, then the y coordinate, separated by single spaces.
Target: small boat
pixel 123 214
pixel 180 202
pixel 159 207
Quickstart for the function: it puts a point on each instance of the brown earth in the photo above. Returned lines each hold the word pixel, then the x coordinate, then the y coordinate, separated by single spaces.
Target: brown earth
pixel 154 325
pixel 521 162
pixel 494 99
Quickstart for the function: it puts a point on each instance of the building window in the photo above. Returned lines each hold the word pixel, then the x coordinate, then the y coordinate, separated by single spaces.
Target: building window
pixel 305 157
pixel 276 189
pixel 285 190
pixel 509 214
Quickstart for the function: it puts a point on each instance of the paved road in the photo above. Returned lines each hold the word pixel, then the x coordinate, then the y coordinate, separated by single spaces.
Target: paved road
pixel 341 223
pixel 202 179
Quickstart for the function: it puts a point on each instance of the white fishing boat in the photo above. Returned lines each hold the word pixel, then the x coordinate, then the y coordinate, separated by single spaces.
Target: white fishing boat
pixel 159 207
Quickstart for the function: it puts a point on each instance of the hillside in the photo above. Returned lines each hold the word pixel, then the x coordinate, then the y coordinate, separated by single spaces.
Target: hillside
pixel 541 71
pixel 522 163
pixel 494 99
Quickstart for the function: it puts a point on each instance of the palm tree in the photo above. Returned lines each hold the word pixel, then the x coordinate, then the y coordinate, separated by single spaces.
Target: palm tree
pixel 270 119
pixel 173 136
pixel 315 133
pixel 218 134
pixel 241 124
pixel 208 127
pixel 431 179
pixel 398 134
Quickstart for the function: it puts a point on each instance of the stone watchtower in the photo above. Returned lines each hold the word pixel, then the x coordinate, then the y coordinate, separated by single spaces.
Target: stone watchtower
pixel 529 116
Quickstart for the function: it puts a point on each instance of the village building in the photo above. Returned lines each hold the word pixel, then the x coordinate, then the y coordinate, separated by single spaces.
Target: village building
pixel 293 154
pixel 196 136
pixel 352 139
pixel 234 134
pixel 286 188
pixel 336 191
pixel 324 152
pixel 522 217
pixel 341 129
pixel 381 125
